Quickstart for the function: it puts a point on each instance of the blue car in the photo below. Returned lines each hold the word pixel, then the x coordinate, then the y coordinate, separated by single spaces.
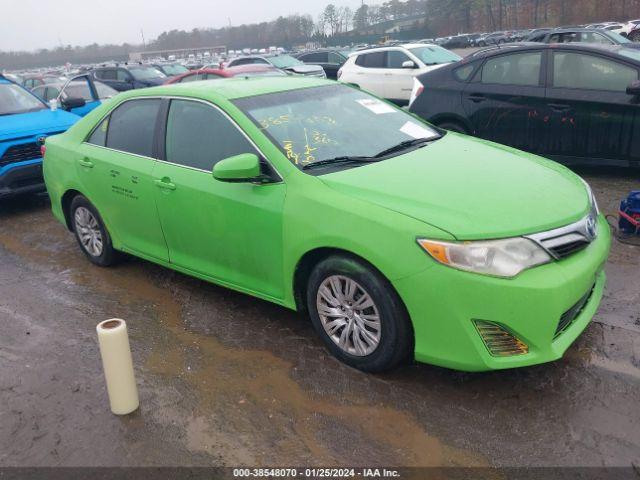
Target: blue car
pixel 25 120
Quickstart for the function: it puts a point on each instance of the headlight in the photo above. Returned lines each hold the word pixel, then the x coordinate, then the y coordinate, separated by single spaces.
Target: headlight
pixel 500 258
pixel 592 198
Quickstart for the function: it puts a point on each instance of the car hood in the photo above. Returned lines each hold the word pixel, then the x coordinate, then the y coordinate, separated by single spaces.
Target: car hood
pixel 471 188
pixel 304 69
pixel 33 123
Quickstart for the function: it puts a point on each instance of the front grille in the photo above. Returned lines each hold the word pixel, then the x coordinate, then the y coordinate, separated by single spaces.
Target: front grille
pixel 499 341
pixel 564 250
pixel 20 153
pixel 565 241
pixel 568 317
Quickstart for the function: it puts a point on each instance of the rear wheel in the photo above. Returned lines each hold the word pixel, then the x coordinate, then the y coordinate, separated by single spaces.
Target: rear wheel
pixel 358 315
pixel 454 127
pixel 90 232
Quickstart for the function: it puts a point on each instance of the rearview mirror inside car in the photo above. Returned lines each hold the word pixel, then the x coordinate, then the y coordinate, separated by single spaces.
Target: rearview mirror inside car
pixel 408 64
pixel 240 168
pixel 634 88
pixel 73 102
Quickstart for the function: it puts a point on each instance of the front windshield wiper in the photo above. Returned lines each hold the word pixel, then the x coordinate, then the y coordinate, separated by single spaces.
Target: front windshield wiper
pixel 339 161
pixel 406 145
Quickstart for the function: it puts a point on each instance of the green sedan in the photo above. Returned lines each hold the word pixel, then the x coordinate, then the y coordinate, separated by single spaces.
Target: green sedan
pixel 399 240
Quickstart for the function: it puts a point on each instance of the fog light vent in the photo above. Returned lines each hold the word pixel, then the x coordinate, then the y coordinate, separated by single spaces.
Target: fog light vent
pixel 499 341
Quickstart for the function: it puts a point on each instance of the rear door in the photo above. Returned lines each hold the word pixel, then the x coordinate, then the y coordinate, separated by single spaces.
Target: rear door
pixel 370 72
pixel 505 102
pixel 115 166
pixel 593 118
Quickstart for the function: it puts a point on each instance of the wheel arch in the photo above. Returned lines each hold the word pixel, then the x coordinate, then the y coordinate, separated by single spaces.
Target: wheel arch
pixel 311 258
pixel 452 118
pixel 65 203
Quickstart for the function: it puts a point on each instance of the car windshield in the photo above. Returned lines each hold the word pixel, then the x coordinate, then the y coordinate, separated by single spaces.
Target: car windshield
pixel 174 69
pixel 284 61
pixel 14 99
pixel 146 73
pixel 323 123
pixel 618 38
pixel 105 91
pixel 434 55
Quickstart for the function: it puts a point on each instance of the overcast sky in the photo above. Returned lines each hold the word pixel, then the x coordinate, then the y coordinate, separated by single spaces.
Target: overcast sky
pixel 33 24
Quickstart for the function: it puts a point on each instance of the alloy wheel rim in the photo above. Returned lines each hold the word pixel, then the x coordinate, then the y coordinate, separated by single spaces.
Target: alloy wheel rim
pixel 88 231
pixel 349 315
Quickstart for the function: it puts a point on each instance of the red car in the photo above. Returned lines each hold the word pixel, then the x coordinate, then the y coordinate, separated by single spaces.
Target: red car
pixel 215 73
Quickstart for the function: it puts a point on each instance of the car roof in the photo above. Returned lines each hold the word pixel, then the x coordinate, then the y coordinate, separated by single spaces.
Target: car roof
pixel 231 88
pixel 525 46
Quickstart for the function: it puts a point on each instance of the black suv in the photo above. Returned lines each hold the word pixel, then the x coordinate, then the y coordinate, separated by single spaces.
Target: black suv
pixel 129 76
pixel 572 102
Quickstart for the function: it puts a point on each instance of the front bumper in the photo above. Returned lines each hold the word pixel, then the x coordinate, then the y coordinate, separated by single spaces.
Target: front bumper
pixel 22 178
pixel 443 302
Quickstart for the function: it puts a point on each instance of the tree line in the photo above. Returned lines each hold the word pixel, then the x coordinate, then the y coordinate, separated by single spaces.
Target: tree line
pixel 339 23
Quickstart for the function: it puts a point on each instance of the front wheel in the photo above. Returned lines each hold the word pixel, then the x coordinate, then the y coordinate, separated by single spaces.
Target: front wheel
pixel 91 233
pixel 358 315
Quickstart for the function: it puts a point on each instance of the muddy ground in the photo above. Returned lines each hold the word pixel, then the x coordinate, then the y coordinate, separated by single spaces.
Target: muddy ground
pixel 227 380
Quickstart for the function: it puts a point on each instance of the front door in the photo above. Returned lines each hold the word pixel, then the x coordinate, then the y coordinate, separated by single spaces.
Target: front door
pixel 399 80
pixel 230 232
pixel 594 119
pixel 115 167
pixel 506 102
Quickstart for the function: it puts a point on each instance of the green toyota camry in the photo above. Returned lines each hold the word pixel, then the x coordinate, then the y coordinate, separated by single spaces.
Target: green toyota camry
pixel 401 241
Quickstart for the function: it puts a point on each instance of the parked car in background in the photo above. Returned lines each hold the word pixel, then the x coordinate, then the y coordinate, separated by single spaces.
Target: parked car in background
pixel 25 120
pixel 171 69
pixel 217 73
pixel 66 94
pixel 458 41
pixel 286 63
pixel 583 35
pixel 389 71
pixel 496 38
pixel 399 240
pixel 572 102
pixel 329 59
pixel 129 77
pixel 31 81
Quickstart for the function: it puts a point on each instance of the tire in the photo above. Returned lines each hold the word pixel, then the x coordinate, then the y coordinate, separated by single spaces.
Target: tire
pixel 90 232
pixel 365 347
pixel 454 127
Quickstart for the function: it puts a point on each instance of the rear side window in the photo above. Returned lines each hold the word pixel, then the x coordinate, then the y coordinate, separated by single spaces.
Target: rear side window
pixel 372 60
pixel 319 57
pixel 199 136
pixel 335 58
pixel 107 74
pixel 99 135
pixel 132 126
pixel 590 72
pixel 515 69
pixel 464 73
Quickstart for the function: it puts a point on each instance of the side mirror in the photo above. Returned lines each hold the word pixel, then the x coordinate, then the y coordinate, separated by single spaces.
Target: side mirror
pixel 73 102
pixel 239 169
pixel 634 88
pixel 408 64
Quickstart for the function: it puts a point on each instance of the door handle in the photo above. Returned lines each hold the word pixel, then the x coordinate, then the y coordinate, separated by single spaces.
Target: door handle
pixel 85 162
pixel 559 107
pixel 165 184
pixel 477 97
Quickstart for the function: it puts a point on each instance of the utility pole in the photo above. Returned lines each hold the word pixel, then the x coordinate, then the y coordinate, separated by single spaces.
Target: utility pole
pixel 144 45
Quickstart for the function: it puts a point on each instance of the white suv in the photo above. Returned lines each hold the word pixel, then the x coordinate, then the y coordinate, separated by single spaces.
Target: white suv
pixel 388 72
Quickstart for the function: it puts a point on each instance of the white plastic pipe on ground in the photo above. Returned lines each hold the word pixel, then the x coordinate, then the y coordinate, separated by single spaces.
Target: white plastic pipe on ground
pixel 118 366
